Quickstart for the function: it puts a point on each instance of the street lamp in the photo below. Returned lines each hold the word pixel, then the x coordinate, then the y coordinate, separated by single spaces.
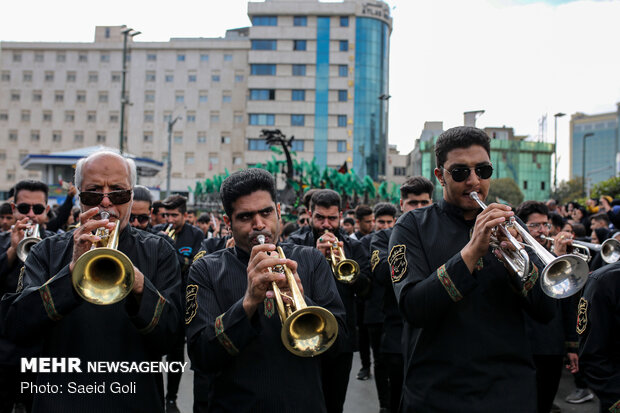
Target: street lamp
pixel 171 123
pixel 555 150
pixel 583 161
pixel 126 32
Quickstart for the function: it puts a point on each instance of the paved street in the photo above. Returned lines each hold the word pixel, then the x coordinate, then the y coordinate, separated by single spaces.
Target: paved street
pixel 362 395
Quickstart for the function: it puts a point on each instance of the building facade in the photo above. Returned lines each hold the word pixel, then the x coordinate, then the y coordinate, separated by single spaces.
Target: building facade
pixel 314 70
pixel 598 158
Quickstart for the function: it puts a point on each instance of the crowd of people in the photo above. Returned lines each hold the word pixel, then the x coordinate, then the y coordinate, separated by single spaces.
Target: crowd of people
pixel 419 289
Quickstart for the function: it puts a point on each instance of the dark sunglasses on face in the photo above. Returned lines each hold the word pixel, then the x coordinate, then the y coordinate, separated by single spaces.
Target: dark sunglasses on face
pixel 461 173
pixel 91 198
pixel 142 218
pixel 25 208
pixel 303 220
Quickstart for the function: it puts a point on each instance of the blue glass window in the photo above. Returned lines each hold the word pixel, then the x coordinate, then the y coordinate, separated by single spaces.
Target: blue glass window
pixel 299 45
pixel 191 78
pixel 342 96
pixel 204 57
pixel 300 21
pixel 228 58
pixel 342 121
pixel 297 146
pixel 298 94
pixel 262 119
pixel 169 78
pixel 298 120
pixel 344 45
pixel 215 78
pixel 262 94
pixel 344 21
pixel 299 70
pixel 263 69
pixel 343 70
pixel 257 145
pixel 265 20
pixel 342 146
pixel 264 44
pixel 238 78
pixel 180 58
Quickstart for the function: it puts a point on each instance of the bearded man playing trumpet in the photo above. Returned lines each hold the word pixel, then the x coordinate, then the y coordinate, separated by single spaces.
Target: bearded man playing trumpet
pixel 464 334
pixel 75 310
pixel 260 360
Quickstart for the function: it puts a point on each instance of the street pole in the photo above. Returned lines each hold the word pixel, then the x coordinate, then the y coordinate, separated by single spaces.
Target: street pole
pixel 583 161
pixel 555 151
pixel 171 123
pixel 126 33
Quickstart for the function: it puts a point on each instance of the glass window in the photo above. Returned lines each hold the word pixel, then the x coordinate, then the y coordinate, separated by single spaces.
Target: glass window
pixel 400 171
pixel 148 117
pixel 179 98
pixel 228 58
pixel 6 76
pixel 59 97
pixel 344 45
pixel 35 136
pixel 113 117
pixel 25 116
pixel 169 78
pixel 147 137
pixel 201 137
pixel 27 76
pixel 93 77
pixel 80 97
pixel 344 21
pixel 298 120
pixel 215 78
pixel 37 95
pixel 78 137
pixel 100 137
pixel 190 117
pixel 47 116
pixel 299 45
pixel 343 70
pixel 104 57
pixel 191 78
pixel 203 97
pixel 342 96
pixel 151 57
pixel 38 57
pixel 215 117
pixel 226 99
pixel 298 94
pixel 263 69
pixel 299 70
pixel 262 119
pixel 56 136
pixel 13 135
pixel 342 121
pixel 342 146
pixel 238 78
pixel 71 76
pixel 204 57
pixel 300 21
pixel 225 139
pixel 265 20
pixel 258 145
pixel 180 58
pixel 17 57
pixel 524 184
pixel 103 97
pixel 150 76
pixel 15 96
pixel 82 57
pixel 297 146
pixel 264 44
pixel 149 96
pixel 178 137
pixel 262 94
pixel 49 77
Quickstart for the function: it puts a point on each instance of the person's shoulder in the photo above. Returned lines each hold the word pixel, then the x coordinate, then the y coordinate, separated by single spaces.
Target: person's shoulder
pixel 299 238
pixel 606 275
pixel 382 234
pixel 147 237
pixel 158 227
pixel 295 250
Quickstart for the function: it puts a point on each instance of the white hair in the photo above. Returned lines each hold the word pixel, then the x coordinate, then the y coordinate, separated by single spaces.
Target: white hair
pixel 131 165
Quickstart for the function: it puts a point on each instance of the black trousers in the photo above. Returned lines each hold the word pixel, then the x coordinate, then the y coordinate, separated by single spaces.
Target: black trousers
pixel 363 338
pixel 395 370
pixel 548 373
pixel 335 371
pixel 202 386
pixel 380 368
pixel 174 378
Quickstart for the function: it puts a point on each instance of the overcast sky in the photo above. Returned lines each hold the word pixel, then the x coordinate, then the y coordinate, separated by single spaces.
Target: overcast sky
pixel 516 59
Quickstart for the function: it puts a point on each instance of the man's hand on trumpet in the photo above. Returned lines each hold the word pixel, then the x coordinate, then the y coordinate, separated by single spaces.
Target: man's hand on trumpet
pixel 562 242
pixel 83 236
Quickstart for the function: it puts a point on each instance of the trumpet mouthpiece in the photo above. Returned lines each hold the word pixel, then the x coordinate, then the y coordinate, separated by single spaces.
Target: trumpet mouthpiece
pixel 261 239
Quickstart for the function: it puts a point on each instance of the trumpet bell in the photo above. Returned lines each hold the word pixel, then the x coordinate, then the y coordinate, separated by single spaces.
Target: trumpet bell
pixel 24 247
pixel 564 276
pixel 610 251
pixel 103 276
pixel 309 331
pixel 346 271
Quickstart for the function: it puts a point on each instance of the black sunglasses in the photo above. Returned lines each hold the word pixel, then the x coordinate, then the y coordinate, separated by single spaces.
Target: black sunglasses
pixel 25 208
pixel 142 218
pixel 303 220
pixel 91 198
pixel 461 173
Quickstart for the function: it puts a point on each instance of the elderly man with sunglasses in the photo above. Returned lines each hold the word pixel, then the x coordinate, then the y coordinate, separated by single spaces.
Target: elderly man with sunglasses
pixel 134 330
pixel 466 348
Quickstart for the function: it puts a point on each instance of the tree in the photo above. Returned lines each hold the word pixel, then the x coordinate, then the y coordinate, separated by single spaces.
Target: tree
pixel 609 187
pixel 567 191
pixel 505 190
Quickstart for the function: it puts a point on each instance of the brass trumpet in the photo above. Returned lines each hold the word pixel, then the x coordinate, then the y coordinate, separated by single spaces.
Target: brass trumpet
pixel 609 249
pixel 31 237
pixel 306 331
pixel 561 277
pixel 103 275
pixel 345 270
pixel 170 231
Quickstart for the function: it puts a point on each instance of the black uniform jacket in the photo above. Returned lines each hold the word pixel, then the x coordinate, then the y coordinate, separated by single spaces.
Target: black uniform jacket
pixel 373 307
pixel 391 339
pixel 186 243
pixel 354 250
pixel 251 369
pixel 210 245
pixel 467 349
pixel 48 310
pixel 598 323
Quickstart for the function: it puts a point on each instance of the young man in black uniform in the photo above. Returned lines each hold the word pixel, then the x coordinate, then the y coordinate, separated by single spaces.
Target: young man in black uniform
pixel 598 324
pixel 232 325
pixel 326 212
pixel 49 311
pixel 7 220
pixel 30 205
pixel 466 345
pixel 416 192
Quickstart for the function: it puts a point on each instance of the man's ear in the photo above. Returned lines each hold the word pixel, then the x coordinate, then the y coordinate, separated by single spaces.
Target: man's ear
pixel 439 175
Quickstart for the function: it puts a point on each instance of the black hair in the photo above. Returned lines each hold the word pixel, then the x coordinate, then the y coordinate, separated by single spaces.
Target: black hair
pixel 531 207
pixel 416 185
pixel 245 182
pixel 350 212
pixel 204 218
pixel 579 230
pixel 602 234
pixel 362 211
pixel 325 198
pixel 302 210
pixel 289 228
pixel 30 185
pixel 75 211
pixel 385 208
pixel 156 206
pixel 142 193
pixel 349 221
pixel 5 209
pixel 308 196
pixel 191 211
pixel 600 216
pixel 556 219
pixel 460 137
pixel 176 202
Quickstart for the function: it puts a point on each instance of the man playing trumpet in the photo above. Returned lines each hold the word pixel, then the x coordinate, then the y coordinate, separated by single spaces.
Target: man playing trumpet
pixel 232 323
pixel 135 329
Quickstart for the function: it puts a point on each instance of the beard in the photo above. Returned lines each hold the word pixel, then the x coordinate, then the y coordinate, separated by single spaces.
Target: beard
pixel 318 232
